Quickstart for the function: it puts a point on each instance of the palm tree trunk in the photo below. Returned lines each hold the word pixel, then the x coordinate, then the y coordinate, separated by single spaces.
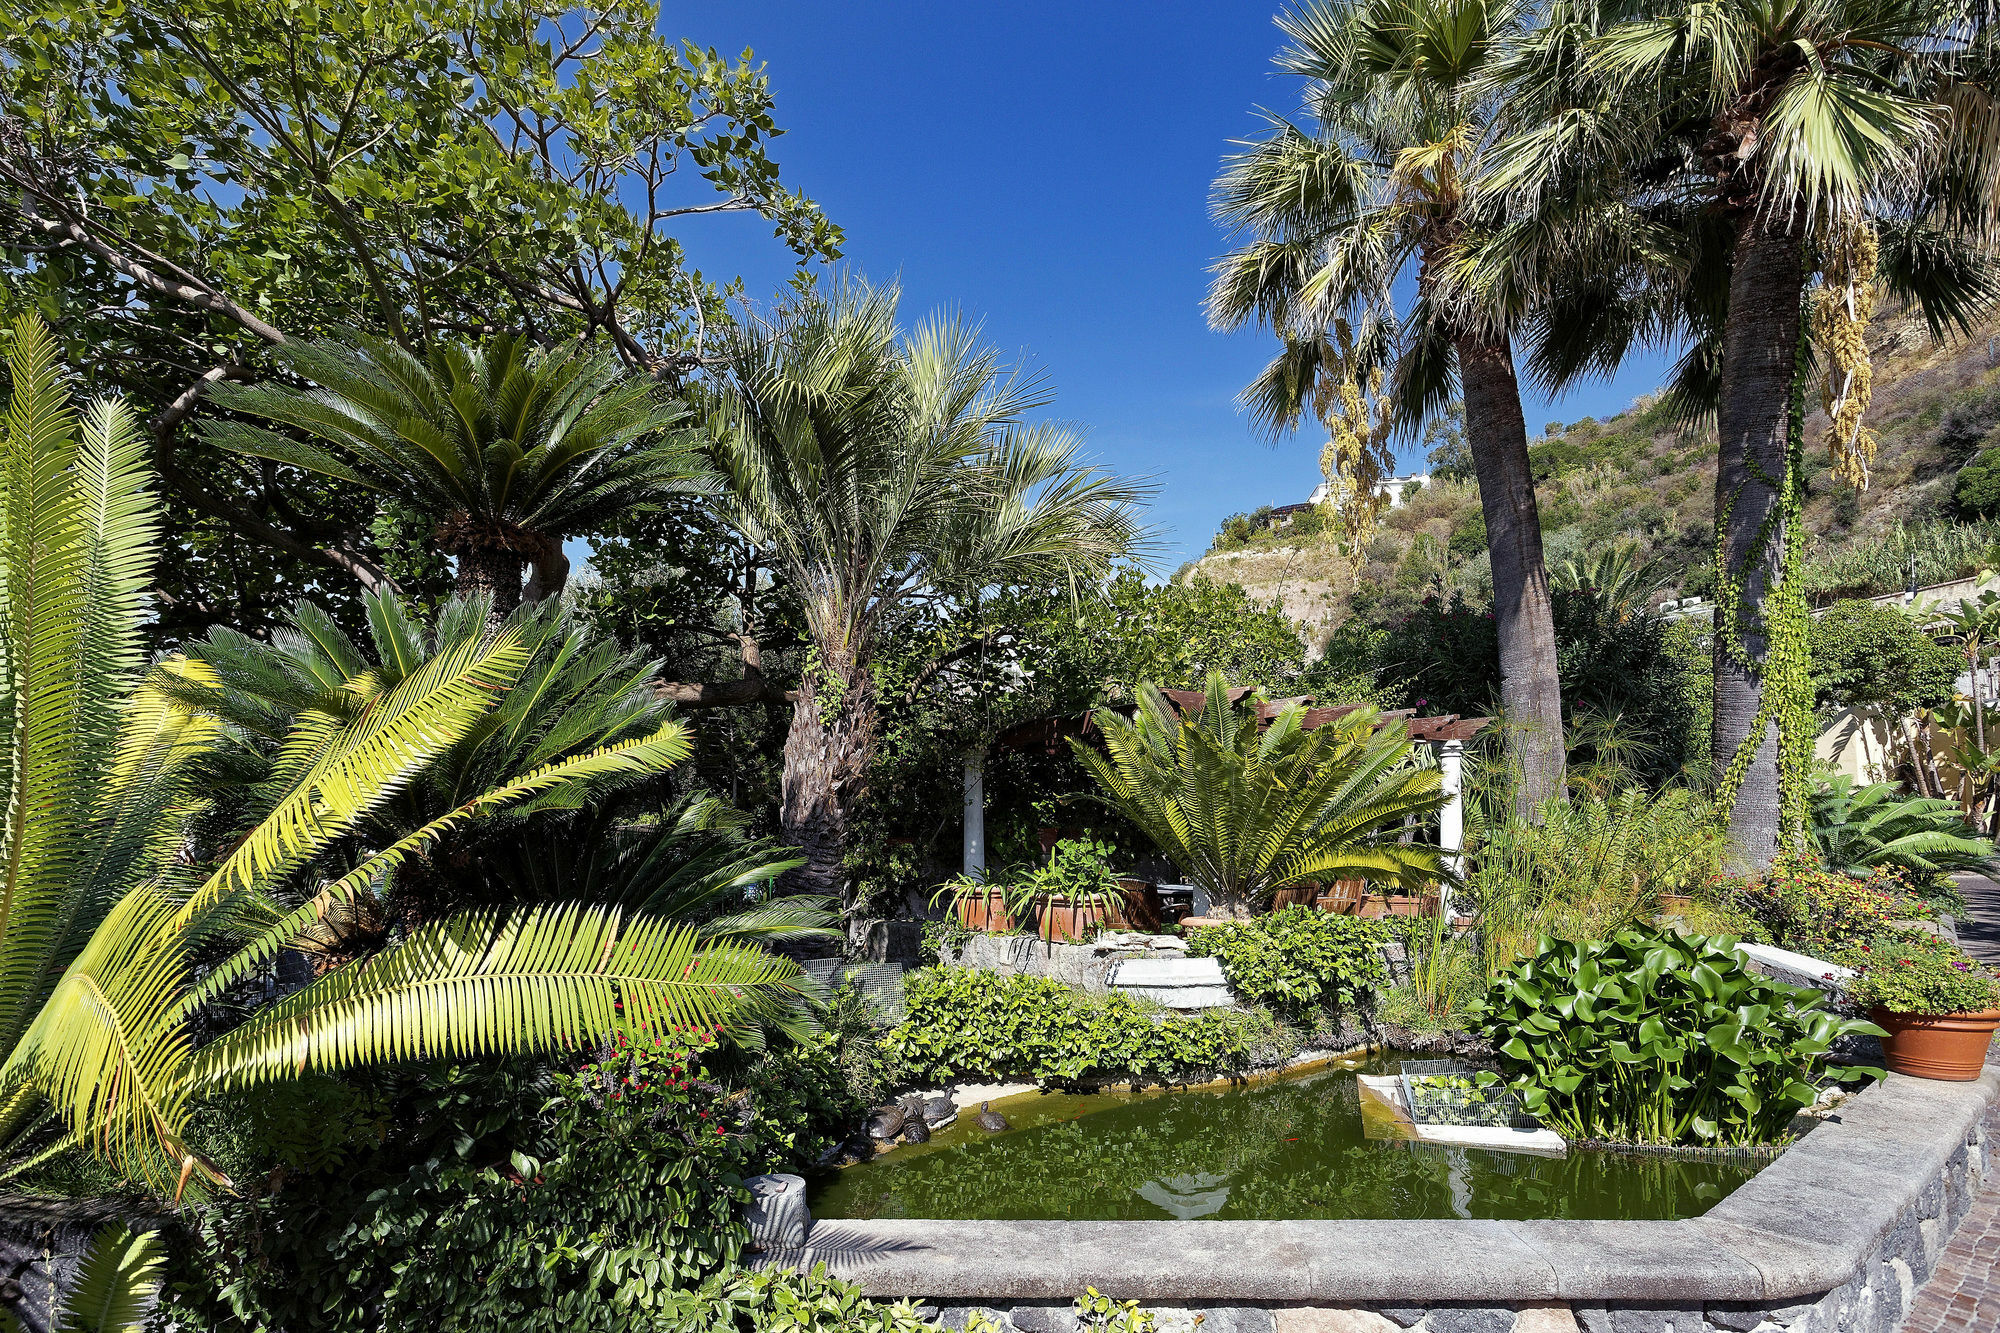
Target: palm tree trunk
pixel 826 768
pixel 1759 340
pixel 494 571
pixel 1530 689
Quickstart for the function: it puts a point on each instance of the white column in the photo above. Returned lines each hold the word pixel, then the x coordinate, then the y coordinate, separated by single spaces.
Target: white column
pixel 975 814
pixel 1451 820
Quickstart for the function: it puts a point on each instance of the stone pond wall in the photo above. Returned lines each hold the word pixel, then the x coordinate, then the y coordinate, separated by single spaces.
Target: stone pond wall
pixel 1833 1237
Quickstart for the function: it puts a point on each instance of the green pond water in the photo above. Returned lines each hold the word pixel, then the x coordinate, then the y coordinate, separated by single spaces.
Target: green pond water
pixel 1298 1147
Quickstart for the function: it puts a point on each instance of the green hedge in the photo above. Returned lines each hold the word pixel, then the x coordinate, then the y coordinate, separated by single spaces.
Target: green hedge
pixel 1297 959
pixel 963 1023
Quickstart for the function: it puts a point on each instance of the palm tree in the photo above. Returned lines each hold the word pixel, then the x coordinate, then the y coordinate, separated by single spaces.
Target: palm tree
pixel 509 450
pixel 877 473
pixel 1379 186
pixel 116 881
pixel 1243 808
pixel 577 692
pixel 1841 138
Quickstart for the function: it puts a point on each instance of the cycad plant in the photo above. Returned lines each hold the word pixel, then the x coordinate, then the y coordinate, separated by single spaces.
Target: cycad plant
pixel 577 692
pixel 1243 808
pixel 1374 189
pixel 507 449
pixel 878 472
pixel 1856 829
pixel 125 915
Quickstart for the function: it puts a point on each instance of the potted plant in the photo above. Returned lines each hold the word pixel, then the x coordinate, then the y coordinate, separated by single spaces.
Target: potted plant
pixel 1071 897
pixel 978 904
pixel 1938 1007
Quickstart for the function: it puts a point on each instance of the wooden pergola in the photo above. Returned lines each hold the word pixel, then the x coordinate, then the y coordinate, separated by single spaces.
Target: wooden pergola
pixel 1445 733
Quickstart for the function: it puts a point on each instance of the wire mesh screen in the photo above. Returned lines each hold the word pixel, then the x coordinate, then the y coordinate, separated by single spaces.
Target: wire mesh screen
pixel 1445 1092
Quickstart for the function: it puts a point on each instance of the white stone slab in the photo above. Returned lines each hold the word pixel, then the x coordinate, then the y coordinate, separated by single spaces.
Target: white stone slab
pixel 1795 969
pixel 1500 1138
pixel 1169 972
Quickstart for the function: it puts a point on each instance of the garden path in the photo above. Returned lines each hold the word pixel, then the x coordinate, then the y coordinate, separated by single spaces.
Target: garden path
pixel 1964 1294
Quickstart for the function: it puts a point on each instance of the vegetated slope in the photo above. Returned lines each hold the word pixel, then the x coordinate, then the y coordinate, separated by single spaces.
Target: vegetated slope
pixel 1639 481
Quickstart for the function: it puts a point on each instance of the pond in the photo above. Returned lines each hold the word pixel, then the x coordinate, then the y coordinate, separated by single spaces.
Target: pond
pixel 1296 1147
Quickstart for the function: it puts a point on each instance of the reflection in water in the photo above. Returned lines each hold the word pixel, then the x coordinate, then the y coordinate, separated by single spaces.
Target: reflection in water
pixel 1288 1149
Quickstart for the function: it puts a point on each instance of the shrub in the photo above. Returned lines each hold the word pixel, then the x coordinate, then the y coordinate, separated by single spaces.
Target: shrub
pixel 1296 959
pixel 1802 905
pixel 1659 1038
pixel 965 1022
pixel 504 1198
pixel 782 1301
pixel 1977 490
pixel 1915 972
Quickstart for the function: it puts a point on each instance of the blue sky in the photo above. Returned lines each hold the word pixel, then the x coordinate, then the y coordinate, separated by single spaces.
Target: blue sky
pixel 1045 168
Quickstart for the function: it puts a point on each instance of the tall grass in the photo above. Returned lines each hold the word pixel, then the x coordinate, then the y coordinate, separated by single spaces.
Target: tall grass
pixel 1870 566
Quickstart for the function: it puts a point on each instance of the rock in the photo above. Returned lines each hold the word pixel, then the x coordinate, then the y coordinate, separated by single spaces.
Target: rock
pixel 1403 1316
pixel 954 1316
pixel 1331 1319
pixel 1470 1319
pixel 1553 1318
pixel 1037 1317
pixel 777 1214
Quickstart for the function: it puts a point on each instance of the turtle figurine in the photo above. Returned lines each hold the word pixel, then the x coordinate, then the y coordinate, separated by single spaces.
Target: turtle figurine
pixel 989 1119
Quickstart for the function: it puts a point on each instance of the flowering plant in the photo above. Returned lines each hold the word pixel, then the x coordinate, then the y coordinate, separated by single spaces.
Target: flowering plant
pixel 1806 907
pixel 1916 972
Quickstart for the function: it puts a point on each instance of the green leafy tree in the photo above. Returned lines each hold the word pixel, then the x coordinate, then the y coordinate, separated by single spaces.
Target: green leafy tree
pixel 1244 808
pixel 1977 489
pixel 878 471
pixel 117 884
pixel 508 450
pixel 1380 185
pixel 1869 653
pixel 183 187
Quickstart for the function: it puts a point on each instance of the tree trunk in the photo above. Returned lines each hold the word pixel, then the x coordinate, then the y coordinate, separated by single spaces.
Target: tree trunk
pixel 1530 690
pixel 1759 340
pixel 494 571
pixel 826 769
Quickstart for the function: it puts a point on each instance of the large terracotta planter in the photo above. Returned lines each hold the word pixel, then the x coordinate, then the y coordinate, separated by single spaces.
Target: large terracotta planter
pixel 1949 1047
pixel 985 911
pixel 1065 922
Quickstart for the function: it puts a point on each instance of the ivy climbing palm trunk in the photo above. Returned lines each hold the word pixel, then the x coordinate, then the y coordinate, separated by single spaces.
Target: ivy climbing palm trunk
pixel 1530 688
pixel 827 750
pixel 1760 346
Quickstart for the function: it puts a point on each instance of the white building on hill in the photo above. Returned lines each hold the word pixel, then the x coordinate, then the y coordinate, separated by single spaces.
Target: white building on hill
pixel 1393 488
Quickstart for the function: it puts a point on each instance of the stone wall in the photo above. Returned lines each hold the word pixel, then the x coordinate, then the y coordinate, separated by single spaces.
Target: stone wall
pixel 1833 1237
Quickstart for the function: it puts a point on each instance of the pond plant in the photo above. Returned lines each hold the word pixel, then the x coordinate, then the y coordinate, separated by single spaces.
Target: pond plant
pixel 1244 809
pixel 1661 1038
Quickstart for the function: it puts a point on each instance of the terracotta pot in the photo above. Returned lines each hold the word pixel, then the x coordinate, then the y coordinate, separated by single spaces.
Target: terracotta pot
pixel 985 911
pixel 1949 1047
pixel 1063 921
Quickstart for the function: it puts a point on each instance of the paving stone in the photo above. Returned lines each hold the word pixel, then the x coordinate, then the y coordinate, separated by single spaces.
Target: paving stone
pixel 1470 1319
pixel 1043 1317
pixel 1555 1318
pixel 1329 1319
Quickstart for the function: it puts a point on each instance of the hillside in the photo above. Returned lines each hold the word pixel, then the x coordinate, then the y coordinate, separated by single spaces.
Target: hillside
pixel 1639 482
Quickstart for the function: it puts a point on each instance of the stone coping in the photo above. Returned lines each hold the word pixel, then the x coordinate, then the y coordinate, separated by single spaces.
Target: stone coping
pixel 1803 1225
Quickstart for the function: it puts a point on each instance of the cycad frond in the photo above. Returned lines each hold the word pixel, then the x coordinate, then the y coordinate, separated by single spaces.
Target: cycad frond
pixel 116 1284
pixel 541 979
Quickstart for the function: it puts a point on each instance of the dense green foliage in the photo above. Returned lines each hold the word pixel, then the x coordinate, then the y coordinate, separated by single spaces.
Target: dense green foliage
pixel 962 1022
pixel 779 1300
pixel 1297 958
pixel 1916 972
pixel 1800 904
pixel 1659 1038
